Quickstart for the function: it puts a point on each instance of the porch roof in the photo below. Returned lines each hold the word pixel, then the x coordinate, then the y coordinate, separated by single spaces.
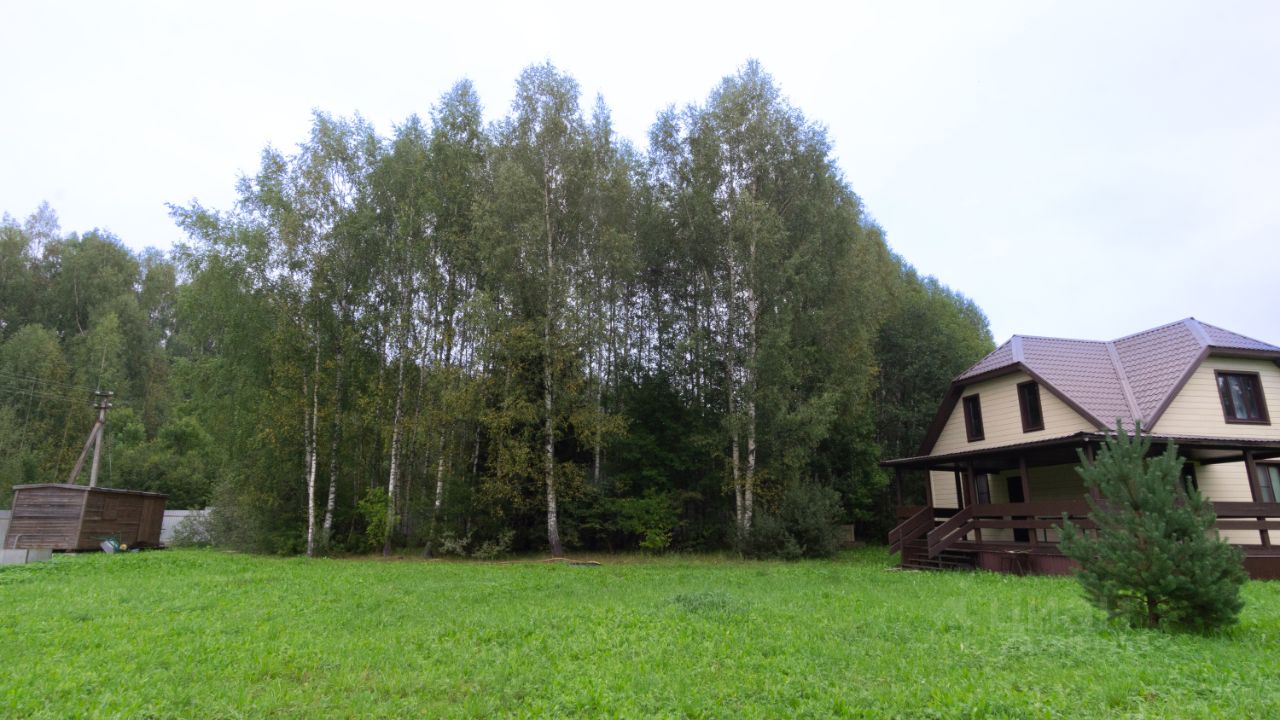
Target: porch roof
pixel 1062 450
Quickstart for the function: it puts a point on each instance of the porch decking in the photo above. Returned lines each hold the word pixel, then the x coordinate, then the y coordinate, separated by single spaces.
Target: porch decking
pixel 1021 537
pixel 946 538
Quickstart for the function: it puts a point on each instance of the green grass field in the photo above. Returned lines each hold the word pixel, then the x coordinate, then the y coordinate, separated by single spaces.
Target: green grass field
pixel 195 634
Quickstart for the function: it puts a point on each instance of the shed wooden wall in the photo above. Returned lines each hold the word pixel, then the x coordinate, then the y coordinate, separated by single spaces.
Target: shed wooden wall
pixel 129 518
pixel 70 517
pixel 45 517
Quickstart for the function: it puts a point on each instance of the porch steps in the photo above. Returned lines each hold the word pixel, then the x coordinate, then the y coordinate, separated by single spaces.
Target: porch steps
pixel 915 556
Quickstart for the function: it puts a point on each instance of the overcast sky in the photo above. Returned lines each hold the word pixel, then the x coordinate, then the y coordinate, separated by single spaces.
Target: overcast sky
pixel 1080 169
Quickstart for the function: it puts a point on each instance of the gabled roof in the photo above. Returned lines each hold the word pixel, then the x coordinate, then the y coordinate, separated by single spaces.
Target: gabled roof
pixel 1130 379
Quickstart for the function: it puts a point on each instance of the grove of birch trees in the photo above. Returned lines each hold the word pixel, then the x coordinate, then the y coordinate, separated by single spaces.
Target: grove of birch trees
pixel 469 337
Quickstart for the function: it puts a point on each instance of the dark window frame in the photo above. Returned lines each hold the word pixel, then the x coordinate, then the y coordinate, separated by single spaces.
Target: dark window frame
pixel 1266 485
pixel 1027 391
pixel 973 418
pixel 1224 397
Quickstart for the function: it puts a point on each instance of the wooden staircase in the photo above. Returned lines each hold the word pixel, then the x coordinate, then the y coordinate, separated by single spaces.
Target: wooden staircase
pixel 915 556
pixel 915 539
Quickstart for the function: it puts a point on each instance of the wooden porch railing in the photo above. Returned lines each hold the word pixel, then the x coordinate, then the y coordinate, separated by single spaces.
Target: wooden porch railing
pixel 1042 516
pixel 1030 516
pixel 916 525
pixel 1262 517
pixel 946 534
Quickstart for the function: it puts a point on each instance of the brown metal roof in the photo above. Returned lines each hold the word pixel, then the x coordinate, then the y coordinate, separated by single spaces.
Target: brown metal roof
pixel 1130 379
pixel 1220 338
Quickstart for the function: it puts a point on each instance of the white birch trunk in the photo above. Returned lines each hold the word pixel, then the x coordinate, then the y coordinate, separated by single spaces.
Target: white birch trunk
pixel 439 500
pixel 394 475
pixel 553 520
pixel 335 440
pixel 311 456
pixel 753 311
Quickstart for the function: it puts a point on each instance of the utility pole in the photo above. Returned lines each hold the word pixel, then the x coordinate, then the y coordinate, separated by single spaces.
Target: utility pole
pixel 102 405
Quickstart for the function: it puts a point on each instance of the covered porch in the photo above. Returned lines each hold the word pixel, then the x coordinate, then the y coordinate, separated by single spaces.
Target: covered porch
pixel 1000 509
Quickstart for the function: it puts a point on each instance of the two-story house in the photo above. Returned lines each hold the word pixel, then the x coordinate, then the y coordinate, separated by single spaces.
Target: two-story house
pixel 999 462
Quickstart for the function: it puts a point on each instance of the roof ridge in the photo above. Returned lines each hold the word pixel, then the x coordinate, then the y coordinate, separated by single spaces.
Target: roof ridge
pixel 1197 330
pixel 1063 339
pixel 1221 329
pixel 1129 397
pixel 1151 330
pixel 983 359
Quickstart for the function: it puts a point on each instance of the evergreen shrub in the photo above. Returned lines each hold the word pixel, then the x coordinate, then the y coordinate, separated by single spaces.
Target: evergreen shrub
pixel 1156 560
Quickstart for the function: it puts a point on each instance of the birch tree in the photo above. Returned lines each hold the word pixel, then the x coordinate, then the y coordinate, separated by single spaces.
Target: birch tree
pixel 541 225
pixel 458 154
pixel 405 226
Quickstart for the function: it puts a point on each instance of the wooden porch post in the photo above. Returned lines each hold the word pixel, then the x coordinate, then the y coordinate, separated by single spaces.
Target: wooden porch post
pixel 1026 492
pixel 897 484
pixel 970 490
pixel 1251 466
pixel 1026 478
pixel 1088 454
pixel 1097 494
pixel 959 489
pixel 928 487
pixel 973 494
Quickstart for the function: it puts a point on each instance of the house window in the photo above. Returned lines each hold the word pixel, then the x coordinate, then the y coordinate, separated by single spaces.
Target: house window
pixel 1242 400
pixel 973 418
pixel 1268 483
pixel 1029 405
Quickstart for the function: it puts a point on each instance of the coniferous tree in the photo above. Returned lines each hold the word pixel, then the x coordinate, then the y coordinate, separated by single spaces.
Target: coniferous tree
pixel 1156 558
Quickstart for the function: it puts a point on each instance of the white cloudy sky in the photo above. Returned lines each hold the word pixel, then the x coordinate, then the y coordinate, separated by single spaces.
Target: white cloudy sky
pixel 1081 169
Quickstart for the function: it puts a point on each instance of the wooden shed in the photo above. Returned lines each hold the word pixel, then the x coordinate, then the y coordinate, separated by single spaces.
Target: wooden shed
pixel 76 517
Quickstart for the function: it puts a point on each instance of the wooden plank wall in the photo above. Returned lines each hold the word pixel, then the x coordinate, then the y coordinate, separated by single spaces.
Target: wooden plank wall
pixel 128 518
pixel 45 517
pixel 80 518
pixel 152 520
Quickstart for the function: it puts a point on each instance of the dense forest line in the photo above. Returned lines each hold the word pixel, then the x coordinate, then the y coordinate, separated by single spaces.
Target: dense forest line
pixel 471 337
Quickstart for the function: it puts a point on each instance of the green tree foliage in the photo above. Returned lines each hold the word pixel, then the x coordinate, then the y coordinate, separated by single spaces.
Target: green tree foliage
pixel 930 335
pixel 778 284
pixel 1156 558
pixel 805 525
pixel 526 335
pixel 82 312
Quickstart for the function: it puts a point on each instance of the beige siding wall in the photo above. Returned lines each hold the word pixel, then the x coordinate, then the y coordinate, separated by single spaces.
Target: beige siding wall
pixel 1002 420
pixel 1228 482
pixel 1197 410
pixel 1224 482
pixel 944 489
pixel 1053 482
pixel 1056 482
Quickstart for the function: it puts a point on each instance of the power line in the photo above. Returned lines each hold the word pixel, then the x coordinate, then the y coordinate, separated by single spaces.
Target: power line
pixel 28 392
pixel 44 381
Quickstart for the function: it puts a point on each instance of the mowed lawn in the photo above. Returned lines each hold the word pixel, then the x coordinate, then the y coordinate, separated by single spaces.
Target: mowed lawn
pixel 195 634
